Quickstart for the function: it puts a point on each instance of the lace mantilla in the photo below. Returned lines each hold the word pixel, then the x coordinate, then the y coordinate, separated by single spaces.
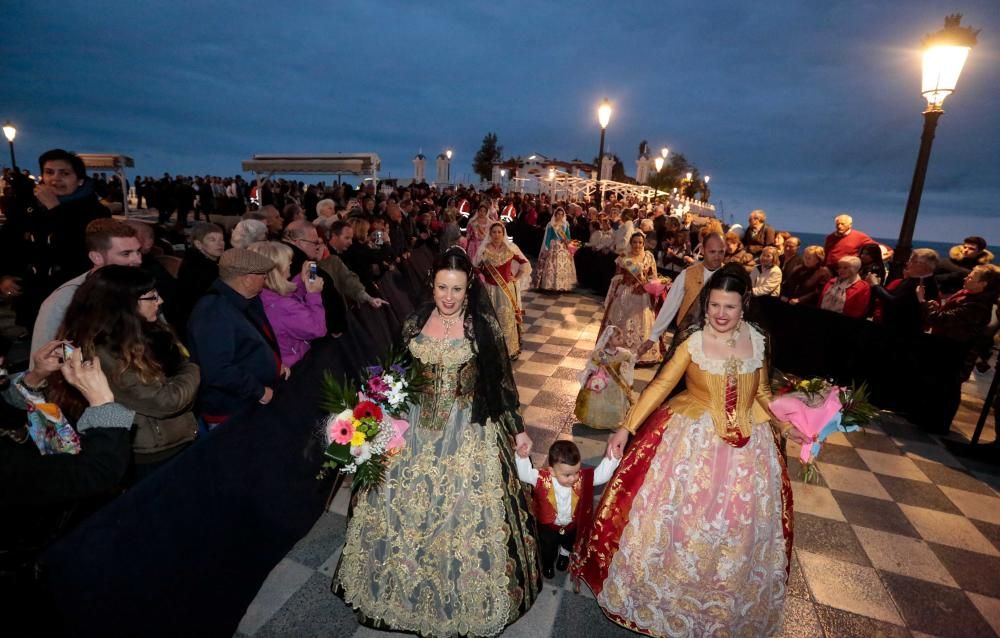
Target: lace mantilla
pixel 718 366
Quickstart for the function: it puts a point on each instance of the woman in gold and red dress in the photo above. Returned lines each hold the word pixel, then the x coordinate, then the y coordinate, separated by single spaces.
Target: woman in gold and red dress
pixel 505 271
pixel 693 533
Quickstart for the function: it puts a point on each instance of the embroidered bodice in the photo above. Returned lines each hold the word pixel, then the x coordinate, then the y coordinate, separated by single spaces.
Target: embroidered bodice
pixel 502 260
pixel 450 370
pixel 706 379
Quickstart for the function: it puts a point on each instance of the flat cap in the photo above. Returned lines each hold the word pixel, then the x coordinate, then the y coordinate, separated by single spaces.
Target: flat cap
pixel 240 261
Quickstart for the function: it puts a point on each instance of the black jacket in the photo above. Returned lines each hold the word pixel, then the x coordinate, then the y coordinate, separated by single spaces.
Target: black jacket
pixel 194 278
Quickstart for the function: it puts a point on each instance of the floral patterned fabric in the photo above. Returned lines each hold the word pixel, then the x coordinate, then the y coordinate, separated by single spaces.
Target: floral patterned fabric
pixel 447 546
pixel 630 307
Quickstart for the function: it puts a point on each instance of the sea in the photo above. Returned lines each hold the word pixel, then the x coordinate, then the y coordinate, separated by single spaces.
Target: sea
pixel 942 248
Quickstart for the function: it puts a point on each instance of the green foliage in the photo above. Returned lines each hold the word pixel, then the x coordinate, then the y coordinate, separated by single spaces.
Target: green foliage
pixel 857 410
pixel 487 154
pixel 335 397
pixel 370 474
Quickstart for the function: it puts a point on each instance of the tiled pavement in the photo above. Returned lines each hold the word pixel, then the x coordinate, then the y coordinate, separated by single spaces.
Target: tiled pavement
pixel 897 538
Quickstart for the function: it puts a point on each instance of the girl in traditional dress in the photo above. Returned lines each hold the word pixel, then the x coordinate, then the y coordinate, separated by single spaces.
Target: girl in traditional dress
pixel 446 546
pixel 628 304
pixel 478 230
pixel 693 533
pixel 505 271
pixel 555 270
pixel 606 383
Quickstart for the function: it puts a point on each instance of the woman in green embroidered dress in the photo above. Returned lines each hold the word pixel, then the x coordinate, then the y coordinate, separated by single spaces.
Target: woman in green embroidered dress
pixel 446 547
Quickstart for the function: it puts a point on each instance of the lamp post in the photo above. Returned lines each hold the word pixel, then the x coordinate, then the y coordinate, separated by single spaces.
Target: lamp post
pixel 658 163
pixel 603 117
pixel 448 154
pixel 10 133
pixel 945 53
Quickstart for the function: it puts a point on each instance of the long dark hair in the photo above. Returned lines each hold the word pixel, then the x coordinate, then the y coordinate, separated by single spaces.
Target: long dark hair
pixel 495 393
pixel 104 312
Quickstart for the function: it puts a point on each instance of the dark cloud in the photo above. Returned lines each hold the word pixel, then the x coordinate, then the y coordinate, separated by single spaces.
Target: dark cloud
pixel 804 109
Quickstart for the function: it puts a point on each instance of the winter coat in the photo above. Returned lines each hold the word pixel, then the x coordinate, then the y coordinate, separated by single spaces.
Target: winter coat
pixel 297 318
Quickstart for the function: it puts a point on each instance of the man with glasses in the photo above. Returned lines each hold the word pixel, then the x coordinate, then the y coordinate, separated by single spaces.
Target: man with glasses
pixel 340 283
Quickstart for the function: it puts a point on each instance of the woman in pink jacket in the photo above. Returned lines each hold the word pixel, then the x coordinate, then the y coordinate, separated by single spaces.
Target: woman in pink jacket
pixel 294 308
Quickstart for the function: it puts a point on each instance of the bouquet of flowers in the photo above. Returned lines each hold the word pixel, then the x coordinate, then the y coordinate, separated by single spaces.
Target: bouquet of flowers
pixel 657 286
pixel 364 429
pixel 572 246
pixel 817 408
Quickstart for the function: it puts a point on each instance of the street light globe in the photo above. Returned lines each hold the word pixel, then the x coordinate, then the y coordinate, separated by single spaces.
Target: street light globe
pixel 707 177
pixel 9 131
pixel 604 113
pixel 503 172
pixel 659 163
pixel 945 53
pixel 689 175
pixel 664 152
pixel 448 153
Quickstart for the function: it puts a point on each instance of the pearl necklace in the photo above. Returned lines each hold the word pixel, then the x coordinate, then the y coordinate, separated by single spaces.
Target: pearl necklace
pixel 730 341
pixel 448 321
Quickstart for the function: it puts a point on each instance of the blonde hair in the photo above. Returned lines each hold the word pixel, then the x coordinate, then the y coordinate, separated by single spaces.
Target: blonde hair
pixel 816 251
pixel 281 255
pixel 360 226
pixel 773 252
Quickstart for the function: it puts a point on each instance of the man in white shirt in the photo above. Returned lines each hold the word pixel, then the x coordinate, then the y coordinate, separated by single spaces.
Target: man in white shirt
pixel 684 291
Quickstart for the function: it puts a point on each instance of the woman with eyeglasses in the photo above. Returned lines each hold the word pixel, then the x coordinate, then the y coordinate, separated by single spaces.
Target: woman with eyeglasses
pixel 115 316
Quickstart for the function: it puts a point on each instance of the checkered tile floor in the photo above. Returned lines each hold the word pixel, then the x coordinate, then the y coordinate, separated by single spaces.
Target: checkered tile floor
pixel 897 538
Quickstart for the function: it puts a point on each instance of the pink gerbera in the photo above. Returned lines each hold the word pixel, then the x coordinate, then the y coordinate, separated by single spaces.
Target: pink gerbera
pixel 340 429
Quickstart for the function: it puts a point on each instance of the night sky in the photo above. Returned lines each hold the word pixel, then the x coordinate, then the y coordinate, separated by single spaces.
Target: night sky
pixel 804 109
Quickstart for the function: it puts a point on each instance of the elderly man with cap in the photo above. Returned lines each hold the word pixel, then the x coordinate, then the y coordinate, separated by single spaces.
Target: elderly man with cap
pixel 232 341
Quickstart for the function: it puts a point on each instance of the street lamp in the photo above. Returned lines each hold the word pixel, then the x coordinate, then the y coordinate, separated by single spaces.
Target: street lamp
pixel 664 152
pixel 658 162
pixel 10 133
pixel 448 154
pixel 603 117
pixel 945 53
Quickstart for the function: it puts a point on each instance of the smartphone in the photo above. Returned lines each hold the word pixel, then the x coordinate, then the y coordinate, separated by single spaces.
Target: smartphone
pixel 312 271
pixel 67 351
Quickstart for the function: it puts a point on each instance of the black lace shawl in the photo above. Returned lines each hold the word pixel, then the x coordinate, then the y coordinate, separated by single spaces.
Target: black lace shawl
pixel 495 395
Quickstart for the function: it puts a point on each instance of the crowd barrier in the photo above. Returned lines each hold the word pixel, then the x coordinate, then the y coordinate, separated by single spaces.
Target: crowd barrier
pixel 917 376
pixel 184 552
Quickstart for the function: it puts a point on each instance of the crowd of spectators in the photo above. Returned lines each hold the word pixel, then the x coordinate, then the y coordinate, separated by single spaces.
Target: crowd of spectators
pixel 179 327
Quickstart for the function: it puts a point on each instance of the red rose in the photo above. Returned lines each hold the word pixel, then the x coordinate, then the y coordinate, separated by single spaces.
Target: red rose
pixel 368 409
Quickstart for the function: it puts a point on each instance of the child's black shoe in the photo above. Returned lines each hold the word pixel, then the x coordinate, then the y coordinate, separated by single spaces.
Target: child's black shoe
pixel 562 562
pixel 548 573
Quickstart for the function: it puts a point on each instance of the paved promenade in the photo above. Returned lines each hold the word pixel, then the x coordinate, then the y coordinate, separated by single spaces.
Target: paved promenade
pixel 898 538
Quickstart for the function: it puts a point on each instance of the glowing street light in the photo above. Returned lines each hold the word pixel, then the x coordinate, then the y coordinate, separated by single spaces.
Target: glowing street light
pixel 689 176
pixel 603 118
pixel 945 53
pixel 664 152
pixel 658 162
pixel 707 177
pixel 448 154
pixel 10 133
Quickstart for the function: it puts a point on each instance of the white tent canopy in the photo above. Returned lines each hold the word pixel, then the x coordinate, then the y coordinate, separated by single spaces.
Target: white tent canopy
pixel 364 165
pixel 114 161
pixel 360 164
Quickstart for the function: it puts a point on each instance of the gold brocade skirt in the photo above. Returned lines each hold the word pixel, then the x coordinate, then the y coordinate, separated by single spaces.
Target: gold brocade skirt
pixel 555 269
pixel 446 547
pixel 506 316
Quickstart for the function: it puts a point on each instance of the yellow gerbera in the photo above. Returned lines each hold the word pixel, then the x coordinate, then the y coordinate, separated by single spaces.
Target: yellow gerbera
pixel 358 438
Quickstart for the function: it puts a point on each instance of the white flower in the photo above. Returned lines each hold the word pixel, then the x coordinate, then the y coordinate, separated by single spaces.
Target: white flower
pixel 361 453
